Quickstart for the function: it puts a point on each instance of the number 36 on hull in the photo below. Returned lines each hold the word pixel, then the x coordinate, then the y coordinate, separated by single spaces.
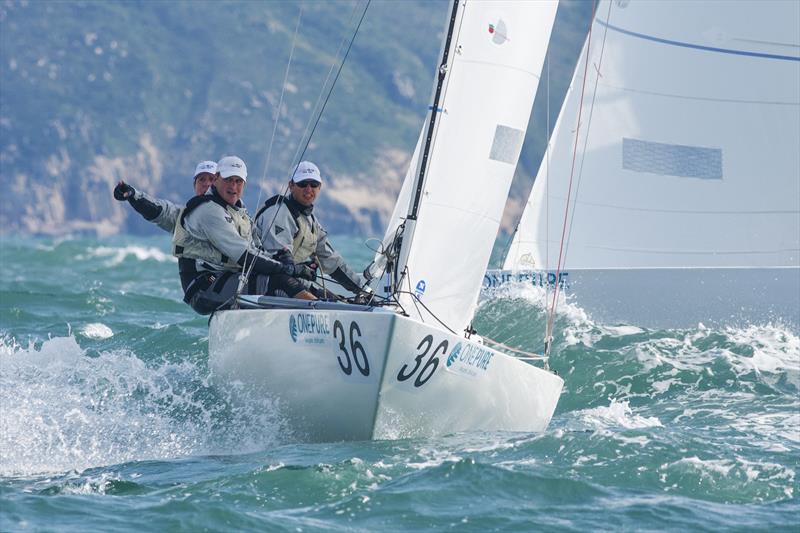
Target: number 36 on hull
pixel 357 375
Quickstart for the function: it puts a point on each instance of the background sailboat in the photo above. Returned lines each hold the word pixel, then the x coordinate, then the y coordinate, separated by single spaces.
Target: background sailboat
pixel 685 200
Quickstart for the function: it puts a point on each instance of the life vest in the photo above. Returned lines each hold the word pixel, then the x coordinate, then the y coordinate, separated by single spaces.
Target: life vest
pixel 185 246
pixel 304 242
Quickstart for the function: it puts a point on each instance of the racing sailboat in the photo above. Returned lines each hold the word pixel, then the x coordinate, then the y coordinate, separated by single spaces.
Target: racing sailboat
pixel 684 203
pixel 409 364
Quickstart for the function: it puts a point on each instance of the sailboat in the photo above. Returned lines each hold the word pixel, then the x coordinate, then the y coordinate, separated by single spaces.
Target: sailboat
pixel 413 366
pixel 684 206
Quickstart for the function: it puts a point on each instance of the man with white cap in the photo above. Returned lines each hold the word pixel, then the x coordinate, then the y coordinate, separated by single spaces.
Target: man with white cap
pixel 213 243
pixel 288 228
pixel 164 213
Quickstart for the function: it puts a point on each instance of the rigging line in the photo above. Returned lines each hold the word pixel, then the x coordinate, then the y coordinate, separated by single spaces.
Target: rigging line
pixel 247 271
pixel 319 115
pixel 280 105
pixel 416 300
pixel 335 79
pixel 546 160
pixel 297 159
pixel 597 67
pixel 385 254
pixel 407 277
pixel 552 313
pixel 530 355
pixel 322 278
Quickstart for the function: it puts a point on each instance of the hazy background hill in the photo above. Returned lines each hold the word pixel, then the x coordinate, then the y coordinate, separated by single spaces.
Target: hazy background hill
pixel 93 92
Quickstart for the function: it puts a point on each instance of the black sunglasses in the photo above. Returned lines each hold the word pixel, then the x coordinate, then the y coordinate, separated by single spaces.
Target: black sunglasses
pixel 307 183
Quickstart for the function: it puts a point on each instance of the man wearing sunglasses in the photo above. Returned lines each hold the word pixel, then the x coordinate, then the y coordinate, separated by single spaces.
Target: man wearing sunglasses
pixel 288 228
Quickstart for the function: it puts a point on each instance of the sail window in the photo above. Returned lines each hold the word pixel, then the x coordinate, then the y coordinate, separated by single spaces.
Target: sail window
pixel 507 144
pixel 672 159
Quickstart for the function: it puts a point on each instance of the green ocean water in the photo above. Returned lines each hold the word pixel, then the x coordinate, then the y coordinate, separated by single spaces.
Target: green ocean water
pixel 110 421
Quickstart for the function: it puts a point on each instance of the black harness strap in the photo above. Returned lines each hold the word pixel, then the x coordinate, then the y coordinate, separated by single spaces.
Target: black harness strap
pixel 280 199
pixel 197 201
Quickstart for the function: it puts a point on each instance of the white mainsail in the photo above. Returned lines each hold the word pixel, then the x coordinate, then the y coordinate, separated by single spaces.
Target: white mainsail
pixel 452 209
pixel 687 153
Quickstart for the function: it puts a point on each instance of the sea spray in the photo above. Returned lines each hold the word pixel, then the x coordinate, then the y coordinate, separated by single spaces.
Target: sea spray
pixel 65 410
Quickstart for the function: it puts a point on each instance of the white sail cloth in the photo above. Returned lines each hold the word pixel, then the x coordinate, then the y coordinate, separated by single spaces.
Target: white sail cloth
pixel 495 60
pixel 692 153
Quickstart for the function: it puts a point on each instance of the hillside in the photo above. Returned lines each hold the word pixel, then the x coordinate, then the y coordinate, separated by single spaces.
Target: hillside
pixel 93 92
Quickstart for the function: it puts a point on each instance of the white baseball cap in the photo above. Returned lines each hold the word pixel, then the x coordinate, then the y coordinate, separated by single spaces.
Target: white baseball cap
pixel 306 170
pixel 203 167
pixel 231 165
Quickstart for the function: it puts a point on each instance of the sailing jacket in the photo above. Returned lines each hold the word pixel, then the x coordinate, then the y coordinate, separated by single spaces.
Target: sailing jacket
pixel 213 236
pixel 283 224
pixel 162 213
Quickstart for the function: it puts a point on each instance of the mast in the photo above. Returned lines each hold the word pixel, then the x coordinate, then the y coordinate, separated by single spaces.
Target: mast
pixel 435 110
pixel 407 233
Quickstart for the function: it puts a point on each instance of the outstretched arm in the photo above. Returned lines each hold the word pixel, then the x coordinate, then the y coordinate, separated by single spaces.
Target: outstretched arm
pixel 162 213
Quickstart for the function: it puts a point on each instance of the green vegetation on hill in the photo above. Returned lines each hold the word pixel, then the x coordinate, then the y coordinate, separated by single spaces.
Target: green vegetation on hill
pixel 93 92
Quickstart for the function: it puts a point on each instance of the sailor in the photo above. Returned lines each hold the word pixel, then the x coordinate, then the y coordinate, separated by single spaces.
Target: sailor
pixel 287 227
pixel 160 212
pixel 213 242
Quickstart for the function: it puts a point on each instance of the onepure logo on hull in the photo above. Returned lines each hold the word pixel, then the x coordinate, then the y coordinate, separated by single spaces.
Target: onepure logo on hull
pixel 469 360
pixel 310 328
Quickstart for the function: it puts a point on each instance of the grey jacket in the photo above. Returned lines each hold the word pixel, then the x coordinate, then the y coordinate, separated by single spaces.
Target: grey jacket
pixel 276 225
pixel 210 222
pixel 162 213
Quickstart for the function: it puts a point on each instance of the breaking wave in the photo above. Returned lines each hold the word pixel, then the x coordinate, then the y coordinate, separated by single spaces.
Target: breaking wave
pixel 66 410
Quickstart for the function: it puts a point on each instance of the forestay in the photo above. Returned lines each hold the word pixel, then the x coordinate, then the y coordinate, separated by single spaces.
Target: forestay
pixel 494 62
pixel 692 152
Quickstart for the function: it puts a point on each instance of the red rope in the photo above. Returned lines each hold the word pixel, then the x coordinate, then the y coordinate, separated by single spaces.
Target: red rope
pixel 552 314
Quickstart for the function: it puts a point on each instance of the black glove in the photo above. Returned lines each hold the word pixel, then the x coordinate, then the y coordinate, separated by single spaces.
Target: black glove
pixel 362 298
pixel 123 191
pixel 283 256
pixel 300 271
pixel 313 266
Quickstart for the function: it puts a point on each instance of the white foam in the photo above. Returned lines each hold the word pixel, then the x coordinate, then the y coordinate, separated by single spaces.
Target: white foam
pixel 743 475
pixel 621 331
pixel 116 255
pixel 775 349
pixel 96 331
pixel 617 415
pixel 539 297
pixel 706 466
pixel 771 352
pixel 63 410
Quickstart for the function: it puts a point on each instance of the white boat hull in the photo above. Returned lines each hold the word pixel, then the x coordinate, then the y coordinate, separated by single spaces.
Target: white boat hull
pixel 355 375
pixel 673 297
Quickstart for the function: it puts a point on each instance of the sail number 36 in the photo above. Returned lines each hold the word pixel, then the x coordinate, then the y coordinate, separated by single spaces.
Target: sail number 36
pixel 423 372
pixel 356 355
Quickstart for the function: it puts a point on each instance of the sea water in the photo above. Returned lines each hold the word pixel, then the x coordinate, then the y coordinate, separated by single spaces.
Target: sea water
pixel 111 421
